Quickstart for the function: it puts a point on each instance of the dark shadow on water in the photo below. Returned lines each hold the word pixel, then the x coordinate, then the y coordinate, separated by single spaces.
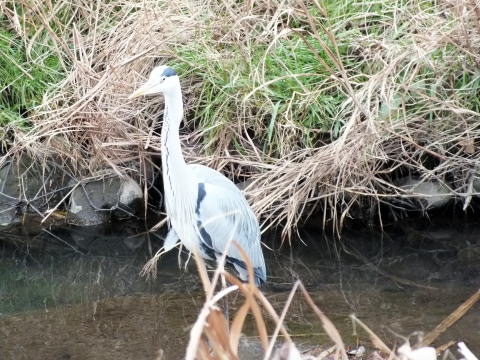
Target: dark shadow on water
pixel 76 293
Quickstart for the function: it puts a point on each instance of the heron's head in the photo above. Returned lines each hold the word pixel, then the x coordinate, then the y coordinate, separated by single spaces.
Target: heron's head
pixel 162 79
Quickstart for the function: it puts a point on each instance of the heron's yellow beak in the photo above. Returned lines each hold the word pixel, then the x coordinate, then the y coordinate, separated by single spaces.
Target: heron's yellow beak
pixel 145 89
pixel 139 92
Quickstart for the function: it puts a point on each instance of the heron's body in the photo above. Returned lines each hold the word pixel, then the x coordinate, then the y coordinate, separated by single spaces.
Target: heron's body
pixel 205 208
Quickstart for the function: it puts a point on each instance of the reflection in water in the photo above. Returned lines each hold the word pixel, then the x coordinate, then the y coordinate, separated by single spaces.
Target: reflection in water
pixel 86 300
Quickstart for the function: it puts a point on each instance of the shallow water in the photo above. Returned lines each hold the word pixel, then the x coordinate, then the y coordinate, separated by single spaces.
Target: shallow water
pixel 77 294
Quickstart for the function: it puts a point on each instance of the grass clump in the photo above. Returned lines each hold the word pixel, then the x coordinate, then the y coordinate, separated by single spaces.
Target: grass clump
pixel 292 100
pixel 321 104
pixel 28 71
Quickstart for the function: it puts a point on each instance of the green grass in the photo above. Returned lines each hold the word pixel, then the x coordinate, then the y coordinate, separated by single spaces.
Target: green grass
pixel 24 79
pixel 228 76
pixel 229 70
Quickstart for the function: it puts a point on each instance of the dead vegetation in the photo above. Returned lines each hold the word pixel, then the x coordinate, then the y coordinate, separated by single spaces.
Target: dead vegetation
pixel 320 105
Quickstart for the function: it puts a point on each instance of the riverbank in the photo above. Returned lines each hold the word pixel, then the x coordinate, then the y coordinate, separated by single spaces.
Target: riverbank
pixel 343 108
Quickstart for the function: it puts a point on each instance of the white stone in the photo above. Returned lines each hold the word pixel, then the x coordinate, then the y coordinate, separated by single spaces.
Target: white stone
pixel 465 351
pixel 405 352
pixel 74 208
pixel 130 191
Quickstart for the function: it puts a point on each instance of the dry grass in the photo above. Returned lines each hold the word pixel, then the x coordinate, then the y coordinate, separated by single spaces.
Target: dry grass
pixel 376 91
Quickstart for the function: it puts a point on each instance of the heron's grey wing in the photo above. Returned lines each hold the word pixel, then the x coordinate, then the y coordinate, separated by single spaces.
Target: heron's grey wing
pixel 208 175
pixel 171 240
pixel 222 213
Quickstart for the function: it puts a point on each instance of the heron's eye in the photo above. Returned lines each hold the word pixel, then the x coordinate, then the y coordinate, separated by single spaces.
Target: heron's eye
pixel 162 79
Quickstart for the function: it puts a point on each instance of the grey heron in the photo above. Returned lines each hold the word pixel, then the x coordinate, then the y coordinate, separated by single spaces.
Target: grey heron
pixel 204 207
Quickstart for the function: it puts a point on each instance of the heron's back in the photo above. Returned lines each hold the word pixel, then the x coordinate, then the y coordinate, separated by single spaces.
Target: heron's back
pixel 223 216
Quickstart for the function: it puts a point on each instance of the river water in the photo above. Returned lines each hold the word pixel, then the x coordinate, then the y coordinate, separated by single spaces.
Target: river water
pixel 76 293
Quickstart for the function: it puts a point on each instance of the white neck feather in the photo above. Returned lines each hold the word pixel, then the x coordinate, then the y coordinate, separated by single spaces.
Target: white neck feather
pixel 180 189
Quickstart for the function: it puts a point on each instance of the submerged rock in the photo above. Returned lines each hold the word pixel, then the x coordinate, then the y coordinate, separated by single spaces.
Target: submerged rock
pixel 112 239
pixel 470 255
pixel 94 202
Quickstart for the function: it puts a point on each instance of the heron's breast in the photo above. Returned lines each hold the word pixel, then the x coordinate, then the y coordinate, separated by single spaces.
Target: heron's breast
pixel 182 218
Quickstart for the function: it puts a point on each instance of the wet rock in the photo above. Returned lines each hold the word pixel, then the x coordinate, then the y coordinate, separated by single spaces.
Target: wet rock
pixel 29 186
pixel 95 202
pixel 425 195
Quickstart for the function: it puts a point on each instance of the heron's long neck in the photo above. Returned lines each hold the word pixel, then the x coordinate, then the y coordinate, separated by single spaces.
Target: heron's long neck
pixel 171 149
pixel 179 187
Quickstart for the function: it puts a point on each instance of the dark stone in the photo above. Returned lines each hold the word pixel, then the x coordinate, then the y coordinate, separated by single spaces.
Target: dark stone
pixel 29 186
pixel 95 202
